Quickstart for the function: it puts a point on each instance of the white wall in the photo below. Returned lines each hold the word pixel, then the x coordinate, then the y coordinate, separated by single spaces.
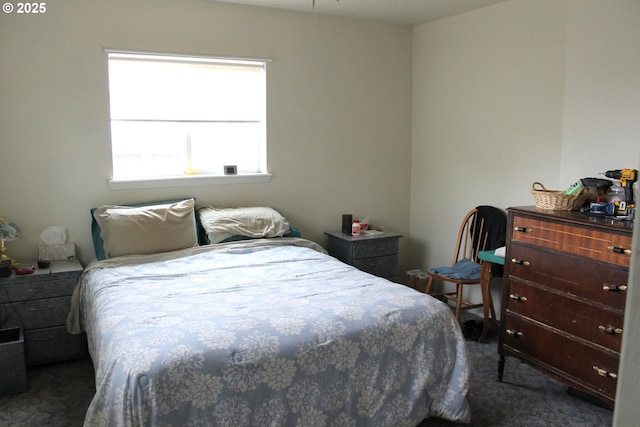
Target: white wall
pixel 487 116
pixel 522 91
pixel 602 88
pixel 339 111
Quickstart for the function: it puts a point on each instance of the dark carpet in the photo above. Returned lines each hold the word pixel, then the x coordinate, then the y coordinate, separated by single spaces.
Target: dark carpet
pixel 60 393
pixel 525 397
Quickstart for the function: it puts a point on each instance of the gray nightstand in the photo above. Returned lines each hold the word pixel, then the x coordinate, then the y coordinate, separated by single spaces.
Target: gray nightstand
pixel 39 303
pixel 374 254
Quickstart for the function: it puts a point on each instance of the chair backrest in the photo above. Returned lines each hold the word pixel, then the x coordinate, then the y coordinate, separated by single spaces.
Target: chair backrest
pixel 483 228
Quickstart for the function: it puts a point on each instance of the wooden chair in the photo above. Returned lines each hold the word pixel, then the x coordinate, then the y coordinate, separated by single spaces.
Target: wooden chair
pixel 483 228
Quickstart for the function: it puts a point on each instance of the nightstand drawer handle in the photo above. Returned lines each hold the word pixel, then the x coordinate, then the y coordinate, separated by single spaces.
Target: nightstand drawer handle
pixel 614 288
pixel 610 329
pixel 520 261
pixel 522 229
pixel 605 373
pixel 513 333
pixel 517 297
pixel 49 338
pixel 39 289
pixel 49 307
pixel 620 250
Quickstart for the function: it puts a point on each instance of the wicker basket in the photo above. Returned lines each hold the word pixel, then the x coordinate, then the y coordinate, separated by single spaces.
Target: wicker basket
pixel 557 200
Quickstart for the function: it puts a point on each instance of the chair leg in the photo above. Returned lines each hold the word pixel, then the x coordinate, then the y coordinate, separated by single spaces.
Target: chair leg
pixel 458 301
pixel 427 289
pixel 493 311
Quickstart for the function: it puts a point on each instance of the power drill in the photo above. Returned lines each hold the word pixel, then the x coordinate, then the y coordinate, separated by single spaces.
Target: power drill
pixel 626 177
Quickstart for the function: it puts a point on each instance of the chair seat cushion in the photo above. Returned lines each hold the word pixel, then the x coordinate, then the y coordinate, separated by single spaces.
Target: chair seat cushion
pixel 463 269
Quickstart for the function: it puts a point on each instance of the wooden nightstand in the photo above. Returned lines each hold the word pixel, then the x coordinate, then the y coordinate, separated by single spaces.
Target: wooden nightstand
pixel 39 303
pixel 374 254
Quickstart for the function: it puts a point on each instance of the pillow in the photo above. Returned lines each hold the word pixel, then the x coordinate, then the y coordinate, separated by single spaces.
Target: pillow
pixel 98 244
pixel 253 222
pixel 127 230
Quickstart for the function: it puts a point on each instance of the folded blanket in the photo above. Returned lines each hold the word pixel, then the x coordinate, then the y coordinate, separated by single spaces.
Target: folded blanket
pixel 463 269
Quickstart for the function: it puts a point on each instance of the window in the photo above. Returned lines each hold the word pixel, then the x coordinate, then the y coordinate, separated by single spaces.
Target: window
pixel 182 116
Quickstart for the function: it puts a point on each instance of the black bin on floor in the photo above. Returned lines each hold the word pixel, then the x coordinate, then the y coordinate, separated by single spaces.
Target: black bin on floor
pixel 13 379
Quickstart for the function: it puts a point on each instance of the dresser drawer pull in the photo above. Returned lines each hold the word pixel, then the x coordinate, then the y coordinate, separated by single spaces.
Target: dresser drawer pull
pixel 523 229
pixel 610 329
pixel 49 307
pixel 614 288
pixel 520 261
pixel 517 297
pixel 620 250
pixel 513 333
pixel 605 373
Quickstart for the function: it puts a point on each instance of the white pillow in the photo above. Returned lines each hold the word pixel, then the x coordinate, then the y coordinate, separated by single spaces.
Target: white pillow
pixel 253 222
pixel 127 230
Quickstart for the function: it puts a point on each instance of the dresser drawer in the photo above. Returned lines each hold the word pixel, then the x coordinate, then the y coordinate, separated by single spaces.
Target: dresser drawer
pixel 590 322
pixel 35 314
pixel 558 271
pixel 574 360
pixel 52 345
pixel 375 248
pixel 36 289
pixel 590 243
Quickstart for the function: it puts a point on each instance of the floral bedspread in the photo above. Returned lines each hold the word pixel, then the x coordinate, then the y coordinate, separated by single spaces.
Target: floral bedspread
pixel 265 334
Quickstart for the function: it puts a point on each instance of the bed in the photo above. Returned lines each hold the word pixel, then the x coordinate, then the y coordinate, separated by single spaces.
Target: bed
pixel 266 331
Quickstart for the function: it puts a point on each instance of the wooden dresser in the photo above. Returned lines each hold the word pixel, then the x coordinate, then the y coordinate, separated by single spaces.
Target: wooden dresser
pixel 564 296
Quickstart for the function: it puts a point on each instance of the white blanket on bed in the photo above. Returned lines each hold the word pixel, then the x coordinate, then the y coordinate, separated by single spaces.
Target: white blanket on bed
pixel 265 333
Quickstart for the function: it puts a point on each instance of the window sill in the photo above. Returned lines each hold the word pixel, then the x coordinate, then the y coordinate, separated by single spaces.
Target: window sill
pixel 184 181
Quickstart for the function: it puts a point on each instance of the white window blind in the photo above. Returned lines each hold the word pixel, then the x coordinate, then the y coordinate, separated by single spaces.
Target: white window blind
pixel 180 115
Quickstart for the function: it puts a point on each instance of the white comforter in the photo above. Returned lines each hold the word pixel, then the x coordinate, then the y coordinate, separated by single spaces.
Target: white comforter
pixel 266 332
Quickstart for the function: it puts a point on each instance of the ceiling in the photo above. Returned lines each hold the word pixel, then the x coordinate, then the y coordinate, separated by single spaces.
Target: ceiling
pixel 404 12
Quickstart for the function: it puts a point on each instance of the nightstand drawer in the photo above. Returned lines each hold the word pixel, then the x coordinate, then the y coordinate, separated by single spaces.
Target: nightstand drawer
pixel 45 287
pixel 379 266
pixel 52 345
pixel 375 248
pixel 41 313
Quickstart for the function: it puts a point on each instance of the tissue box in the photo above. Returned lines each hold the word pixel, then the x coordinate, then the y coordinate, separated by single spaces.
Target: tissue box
pixel 57 252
